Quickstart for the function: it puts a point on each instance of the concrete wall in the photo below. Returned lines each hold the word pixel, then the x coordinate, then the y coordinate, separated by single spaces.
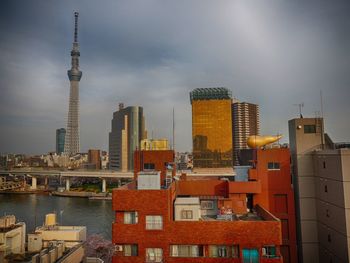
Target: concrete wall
pixel 302 146
pixel 13 240
pixel 333 189
pixel 69 234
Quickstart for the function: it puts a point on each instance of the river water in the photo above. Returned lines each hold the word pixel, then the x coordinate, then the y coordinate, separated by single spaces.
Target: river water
pixel 96 215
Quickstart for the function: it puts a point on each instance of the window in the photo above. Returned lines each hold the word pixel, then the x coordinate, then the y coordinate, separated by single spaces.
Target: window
pixel 329 238
pixel 218 251
pixel 186 251
pixel 186 214
pixel 130 250
pixel 154 222
pixel 154 255
pixel 130 217
pixel 235 251
pixel 206 204
pixel 222 251
pixel 324 165
pixel 148 166
pixel 326 189
pixel 327 213
pixel 273 166
pixel 269 251
pixel 309 128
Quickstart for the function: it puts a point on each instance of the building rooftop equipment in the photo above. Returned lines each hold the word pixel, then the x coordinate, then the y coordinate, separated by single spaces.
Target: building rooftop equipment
pixel 148 180
pixel 219 93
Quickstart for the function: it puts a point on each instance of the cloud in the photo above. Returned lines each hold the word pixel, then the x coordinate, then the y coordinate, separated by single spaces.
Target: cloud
pixel 152 53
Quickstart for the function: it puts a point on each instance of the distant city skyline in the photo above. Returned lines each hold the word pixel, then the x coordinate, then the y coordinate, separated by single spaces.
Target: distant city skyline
pixel 153 53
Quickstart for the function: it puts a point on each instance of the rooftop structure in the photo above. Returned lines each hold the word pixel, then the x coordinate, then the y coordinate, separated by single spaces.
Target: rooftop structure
pixel 154 144
pixel 155 161
pixel 72 235
pixel 219 93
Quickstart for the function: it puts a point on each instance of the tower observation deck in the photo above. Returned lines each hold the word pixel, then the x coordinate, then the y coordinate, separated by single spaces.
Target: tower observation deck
pixel 72 140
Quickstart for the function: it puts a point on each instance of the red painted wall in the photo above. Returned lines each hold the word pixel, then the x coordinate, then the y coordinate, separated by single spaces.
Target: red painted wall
pixel 277 193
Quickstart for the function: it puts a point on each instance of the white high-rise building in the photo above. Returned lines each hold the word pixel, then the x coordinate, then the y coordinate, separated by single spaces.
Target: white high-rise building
pixel 245 118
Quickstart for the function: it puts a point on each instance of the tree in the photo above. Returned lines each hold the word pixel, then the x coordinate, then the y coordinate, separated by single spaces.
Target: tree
pixel 97 246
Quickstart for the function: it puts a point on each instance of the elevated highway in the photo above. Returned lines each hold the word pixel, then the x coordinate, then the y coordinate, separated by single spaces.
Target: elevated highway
pixel 67 175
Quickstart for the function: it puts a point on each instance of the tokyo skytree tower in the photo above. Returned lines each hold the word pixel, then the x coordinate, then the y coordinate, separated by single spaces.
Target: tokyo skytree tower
pixel 72 141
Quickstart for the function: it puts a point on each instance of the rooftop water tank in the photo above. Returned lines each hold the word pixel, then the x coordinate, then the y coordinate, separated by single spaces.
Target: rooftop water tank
pixel 50 219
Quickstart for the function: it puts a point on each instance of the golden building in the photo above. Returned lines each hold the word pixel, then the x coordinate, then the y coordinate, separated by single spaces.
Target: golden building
pixel 154 144
pixel 211 127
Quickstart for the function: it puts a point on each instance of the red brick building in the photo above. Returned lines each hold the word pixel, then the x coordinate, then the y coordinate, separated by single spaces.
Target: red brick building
pixel 209 220
pixel 94 159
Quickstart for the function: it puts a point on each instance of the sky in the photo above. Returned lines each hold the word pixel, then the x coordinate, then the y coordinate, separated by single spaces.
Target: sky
pixel 152 53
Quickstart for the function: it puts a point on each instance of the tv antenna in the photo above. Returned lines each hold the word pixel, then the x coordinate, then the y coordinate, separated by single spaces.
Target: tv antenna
pixel 300 105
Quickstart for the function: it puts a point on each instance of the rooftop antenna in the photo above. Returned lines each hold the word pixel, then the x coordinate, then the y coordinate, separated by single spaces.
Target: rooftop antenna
pixel 321 97
pixel 322 121
pixel 300 105
pixel 173 129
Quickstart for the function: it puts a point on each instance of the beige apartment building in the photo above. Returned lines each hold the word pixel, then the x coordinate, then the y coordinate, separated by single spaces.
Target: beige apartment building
pixel 12 236
pixel 321 178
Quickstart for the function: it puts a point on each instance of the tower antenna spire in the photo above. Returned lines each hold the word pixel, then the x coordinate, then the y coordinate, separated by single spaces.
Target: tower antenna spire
pixel 76 15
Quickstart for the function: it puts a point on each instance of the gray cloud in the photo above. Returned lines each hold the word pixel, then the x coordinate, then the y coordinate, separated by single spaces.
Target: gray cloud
pixel 152 53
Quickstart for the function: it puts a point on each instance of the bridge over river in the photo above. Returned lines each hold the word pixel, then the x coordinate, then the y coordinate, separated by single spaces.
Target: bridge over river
pixel 34 174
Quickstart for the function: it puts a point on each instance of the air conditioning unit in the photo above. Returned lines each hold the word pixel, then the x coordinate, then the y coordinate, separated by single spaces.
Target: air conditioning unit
pixel 118 248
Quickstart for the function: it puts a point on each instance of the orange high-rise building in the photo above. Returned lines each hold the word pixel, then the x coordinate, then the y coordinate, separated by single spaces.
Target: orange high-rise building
pixel 211 127
pixel 250 219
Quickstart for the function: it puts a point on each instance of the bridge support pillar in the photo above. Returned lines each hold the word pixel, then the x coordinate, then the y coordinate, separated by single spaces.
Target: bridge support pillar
pixel 67 183
pixel 46 182
pixel 34 183
pixel 24 182
pixel 104 185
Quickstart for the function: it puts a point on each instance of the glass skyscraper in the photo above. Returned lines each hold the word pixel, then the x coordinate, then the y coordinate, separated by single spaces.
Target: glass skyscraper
pixel 60 137
pixel 211 127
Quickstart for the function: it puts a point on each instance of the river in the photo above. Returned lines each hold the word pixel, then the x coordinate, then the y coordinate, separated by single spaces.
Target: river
pixel 96 215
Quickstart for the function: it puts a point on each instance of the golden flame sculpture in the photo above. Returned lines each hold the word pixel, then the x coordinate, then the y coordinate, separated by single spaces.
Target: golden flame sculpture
pixel 256 141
